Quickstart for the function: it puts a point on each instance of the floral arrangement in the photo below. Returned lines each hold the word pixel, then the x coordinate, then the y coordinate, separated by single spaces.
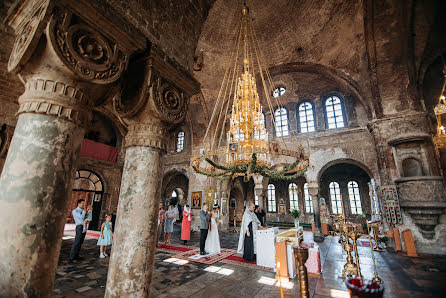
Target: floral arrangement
pixel 295 213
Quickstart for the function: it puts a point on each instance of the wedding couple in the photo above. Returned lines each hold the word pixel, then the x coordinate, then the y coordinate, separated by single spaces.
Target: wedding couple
pixel 209 238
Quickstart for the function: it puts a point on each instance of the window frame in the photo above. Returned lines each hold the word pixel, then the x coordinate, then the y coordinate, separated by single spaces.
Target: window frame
pixel 294 193
pixel 344 118
pixel 281 121
pixel 272 202
pixel 178 141
pixel 336 198
pixel 299 126
pixel 308 201
pixel 355 199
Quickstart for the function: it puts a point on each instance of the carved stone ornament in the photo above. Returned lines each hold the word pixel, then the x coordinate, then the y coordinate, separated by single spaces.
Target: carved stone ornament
pixel 27 36
pixel 132 94
pixel 87 53
pixel 169 103
pixel 55 99
pixel 151 134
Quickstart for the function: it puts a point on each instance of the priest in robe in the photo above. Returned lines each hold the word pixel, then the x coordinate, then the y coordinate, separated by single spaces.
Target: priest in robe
pixel 247 242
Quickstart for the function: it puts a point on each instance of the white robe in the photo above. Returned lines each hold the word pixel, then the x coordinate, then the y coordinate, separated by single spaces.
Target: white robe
pixel 212 244
pixel 248 217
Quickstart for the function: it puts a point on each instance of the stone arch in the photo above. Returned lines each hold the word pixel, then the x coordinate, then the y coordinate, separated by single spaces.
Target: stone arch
pixel 174 181
pixel 90 186
pixel 348 161
pixel 337 199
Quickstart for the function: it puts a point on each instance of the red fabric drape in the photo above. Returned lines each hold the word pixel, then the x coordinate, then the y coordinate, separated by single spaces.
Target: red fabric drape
pixel 99 151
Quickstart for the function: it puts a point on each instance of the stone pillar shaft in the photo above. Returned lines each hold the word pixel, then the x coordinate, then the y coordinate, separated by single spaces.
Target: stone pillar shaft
pixel 131 264
pixel 314 192
pixel 35 184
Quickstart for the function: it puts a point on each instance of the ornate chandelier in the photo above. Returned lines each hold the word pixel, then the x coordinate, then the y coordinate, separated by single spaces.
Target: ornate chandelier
pixel 440 110
pixel 248 150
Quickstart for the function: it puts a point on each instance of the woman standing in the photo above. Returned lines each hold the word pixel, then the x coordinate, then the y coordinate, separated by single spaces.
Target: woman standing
pixel 168 226
pixel 185 225
pixel 247 244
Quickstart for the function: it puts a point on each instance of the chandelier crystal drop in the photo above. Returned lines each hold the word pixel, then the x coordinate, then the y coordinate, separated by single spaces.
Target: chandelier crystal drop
pixel 248 150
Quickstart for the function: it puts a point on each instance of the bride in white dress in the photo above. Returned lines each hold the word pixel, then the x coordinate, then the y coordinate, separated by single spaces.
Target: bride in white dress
pixel 212 244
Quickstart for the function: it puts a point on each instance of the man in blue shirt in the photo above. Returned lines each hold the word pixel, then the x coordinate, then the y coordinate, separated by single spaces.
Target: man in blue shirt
pixel 79 217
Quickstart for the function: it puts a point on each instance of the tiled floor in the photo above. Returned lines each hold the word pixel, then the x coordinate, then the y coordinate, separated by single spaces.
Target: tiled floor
pixel 404 277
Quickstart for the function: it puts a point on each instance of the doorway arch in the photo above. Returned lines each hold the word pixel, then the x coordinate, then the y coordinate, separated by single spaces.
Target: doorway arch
pixel 88 186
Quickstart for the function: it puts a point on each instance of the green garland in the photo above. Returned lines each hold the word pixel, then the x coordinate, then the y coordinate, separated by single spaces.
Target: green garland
pixel 252 168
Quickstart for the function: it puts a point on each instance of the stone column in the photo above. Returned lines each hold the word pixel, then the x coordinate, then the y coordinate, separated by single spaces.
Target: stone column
pixel 35 185
pixel 64 72
pixel 153 103
pixel 314 192
pixel 131 263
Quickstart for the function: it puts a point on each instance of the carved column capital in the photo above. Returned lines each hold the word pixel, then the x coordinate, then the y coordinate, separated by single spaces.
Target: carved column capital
pixel 54 98
pixel 155 86
pixel 150 134
pixel 65 73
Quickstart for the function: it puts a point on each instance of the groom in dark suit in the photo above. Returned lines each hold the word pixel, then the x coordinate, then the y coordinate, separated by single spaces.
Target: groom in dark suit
pixel 204 227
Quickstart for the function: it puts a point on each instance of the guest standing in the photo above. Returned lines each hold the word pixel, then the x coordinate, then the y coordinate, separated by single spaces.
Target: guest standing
pixel 106 236
pixel 168 226
pixel 161 220
pixel 204 227
pixel 79 217
pixel 185 225
pixel 247 242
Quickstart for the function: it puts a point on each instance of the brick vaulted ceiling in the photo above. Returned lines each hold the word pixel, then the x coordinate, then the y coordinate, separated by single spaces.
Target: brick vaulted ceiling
pixel 329 33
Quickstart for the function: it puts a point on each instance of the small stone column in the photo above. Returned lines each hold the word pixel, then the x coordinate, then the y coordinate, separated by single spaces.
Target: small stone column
pixel 314 192
pixel 66 66
pixel 131 263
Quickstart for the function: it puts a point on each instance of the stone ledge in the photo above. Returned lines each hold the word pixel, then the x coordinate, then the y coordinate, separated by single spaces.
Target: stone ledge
pixel 409 138
pixel 417 178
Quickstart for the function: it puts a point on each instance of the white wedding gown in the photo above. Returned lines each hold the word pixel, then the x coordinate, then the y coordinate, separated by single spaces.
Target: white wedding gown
pixel 212 244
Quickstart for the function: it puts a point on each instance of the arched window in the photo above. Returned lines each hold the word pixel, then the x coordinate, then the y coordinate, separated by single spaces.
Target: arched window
pixel 281 119
pixel 259 130
pixel 335 198
pixel 174 194
pixel 279 91
pixel 180 141
pixel 333 109
pixel 355 199
pixel 308 199
pixel 271 198
pixel 294 201
pixel 306 117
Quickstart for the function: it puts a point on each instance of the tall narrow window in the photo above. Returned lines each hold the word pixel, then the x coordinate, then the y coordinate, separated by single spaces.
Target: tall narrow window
pixel 306 117
pixel 333 107
pixel 294 201
pixel 271 198
pixel 308 199
pixel 335 198
pixel 355 199
pixel 256 199
pixel 281 119
pixel 180 141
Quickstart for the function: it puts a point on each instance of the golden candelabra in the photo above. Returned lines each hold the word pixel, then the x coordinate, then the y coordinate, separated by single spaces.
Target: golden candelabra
pixel 376 278
pixel 235 224
pixel 301 256
pixel 349 231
